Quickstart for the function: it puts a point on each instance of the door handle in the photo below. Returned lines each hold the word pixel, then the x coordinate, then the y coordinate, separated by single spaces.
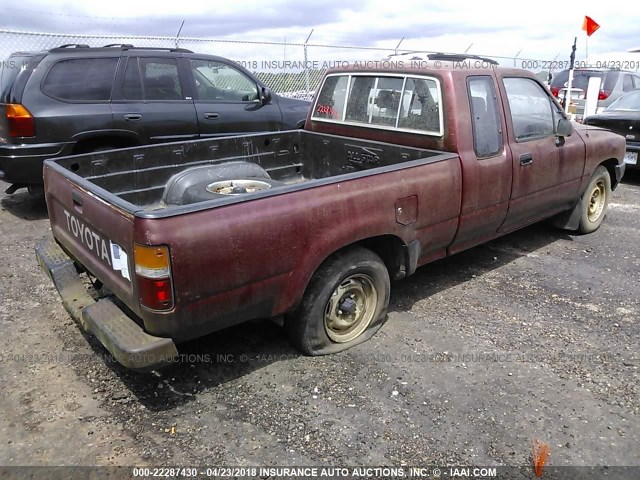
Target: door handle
pixel 212 116
pixel 132 116
pixel 526 159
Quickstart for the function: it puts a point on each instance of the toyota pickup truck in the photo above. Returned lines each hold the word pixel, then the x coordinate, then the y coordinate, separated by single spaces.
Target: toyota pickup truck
pixel 394 169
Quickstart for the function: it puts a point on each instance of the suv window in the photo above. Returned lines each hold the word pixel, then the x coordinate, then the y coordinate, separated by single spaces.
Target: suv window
pixel 627 83
pixel 411 103
pixel 81 79
pixel 160 79
pixel 487 137
pixel 219 81
pixel 530 106
pixel 11 67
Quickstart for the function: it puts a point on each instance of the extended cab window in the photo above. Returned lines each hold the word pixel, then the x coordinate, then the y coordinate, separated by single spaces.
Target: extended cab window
pixel 487 136
pixel 406 103
pixel 530 106
pixel 82 79
pixel 219 81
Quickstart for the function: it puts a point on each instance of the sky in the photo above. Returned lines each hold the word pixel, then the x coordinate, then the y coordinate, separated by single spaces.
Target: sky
pixel 528 30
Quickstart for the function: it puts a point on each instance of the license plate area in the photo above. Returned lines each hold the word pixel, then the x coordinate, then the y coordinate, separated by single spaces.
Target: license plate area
pixel 631 158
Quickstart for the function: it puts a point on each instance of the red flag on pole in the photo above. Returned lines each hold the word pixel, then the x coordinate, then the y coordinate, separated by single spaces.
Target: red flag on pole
pixel 589 25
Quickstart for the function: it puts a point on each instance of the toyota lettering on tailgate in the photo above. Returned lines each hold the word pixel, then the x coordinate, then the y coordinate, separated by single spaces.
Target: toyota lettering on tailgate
pixel 88 237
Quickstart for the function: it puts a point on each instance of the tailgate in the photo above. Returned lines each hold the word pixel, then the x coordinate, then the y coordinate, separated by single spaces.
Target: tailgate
pixel 97 234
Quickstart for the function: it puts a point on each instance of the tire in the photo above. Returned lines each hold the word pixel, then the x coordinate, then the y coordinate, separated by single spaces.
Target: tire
pixel 344 304
pixel 199 193
pixel 595 201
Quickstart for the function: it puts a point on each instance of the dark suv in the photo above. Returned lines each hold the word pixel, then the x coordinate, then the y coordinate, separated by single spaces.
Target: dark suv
pixel 76 99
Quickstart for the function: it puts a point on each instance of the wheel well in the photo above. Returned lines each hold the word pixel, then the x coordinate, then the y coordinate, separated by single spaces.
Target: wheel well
pixel 610 165
pixel 392 252
pixel 91 144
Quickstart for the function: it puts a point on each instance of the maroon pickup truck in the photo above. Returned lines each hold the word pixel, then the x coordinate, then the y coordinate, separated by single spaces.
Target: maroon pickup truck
pixel 394 169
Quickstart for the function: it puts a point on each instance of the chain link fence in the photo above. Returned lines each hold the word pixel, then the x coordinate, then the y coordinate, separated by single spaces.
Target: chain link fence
pixel 288 68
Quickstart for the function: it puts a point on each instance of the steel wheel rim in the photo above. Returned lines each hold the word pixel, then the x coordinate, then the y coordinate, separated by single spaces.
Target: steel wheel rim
pixel 350 308
pixel 597 201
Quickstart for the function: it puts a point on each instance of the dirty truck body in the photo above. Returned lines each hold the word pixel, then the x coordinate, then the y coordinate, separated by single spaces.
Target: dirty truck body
pixel 394 169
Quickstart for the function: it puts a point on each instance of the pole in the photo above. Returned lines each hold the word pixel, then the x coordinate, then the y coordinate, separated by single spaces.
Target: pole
pixel 306 65
pixel 586 47
pixel 572 59
pixel 514 58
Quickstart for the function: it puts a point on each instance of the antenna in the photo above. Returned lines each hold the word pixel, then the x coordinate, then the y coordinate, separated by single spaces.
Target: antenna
pixel 178 34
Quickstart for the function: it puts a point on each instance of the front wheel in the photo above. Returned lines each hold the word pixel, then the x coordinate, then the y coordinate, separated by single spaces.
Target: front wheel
pixel 595 201
pixel 344 304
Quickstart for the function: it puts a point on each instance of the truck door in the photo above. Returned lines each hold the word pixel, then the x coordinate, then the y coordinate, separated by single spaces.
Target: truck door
pixel 228 101
pixel 150 102
pixel 546 170
pixel 486 166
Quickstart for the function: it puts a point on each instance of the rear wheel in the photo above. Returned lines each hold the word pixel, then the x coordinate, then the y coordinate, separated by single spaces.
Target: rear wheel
pixel 345 303
pixel 595 201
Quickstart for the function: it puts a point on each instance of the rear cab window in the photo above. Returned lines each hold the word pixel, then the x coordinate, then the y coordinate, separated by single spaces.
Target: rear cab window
pixel 81 79
pixel 393 101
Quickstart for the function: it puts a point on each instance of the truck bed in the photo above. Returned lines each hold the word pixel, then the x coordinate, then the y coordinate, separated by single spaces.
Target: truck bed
pixel 136 179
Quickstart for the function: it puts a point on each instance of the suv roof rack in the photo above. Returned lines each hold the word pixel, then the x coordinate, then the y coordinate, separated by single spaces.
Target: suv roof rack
pixel 74 45
pixel 459 57
pixel 177 50
pixel 122 46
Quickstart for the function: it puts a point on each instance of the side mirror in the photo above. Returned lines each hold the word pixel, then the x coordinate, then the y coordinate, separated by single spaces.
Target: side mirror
pixel 565 129
pixel 265 95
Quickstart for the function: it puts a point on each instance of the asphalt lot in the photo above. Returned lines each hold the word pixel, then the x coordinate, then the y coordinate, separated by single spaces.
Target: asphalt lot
pixel 534 335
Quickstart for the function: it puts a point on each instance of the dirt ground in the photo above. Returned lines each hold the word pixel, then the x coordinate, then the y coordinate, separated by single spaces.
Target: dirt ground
pixel 534 335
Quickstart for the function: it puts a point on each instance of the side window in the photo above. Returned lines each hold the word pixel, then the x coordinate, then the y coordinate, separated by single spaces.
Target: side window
pixel 82 79
pixel 161 79
pixel 331 98
pixel 636 81
pixel 219 81
pixel 487 137
pixel 627 83
pixel 530 106
pixel 132 83
pixel 420 109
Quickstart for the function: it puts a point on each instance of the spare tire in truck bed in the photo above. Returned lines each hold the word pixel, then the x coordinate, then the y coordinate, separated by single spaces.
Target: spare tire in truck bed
pixel 209 190
pixel 178 184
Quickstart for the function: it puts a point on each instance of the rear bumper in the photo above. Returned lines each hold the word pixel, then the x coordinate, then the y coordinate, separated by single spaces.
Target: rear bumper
pixel 22 164
pixel 129 344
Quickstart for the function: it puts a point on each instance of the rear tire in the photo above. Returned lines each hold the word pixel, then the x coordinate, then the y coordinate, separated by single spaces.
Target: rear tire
pixel 344 304
pixel 595 201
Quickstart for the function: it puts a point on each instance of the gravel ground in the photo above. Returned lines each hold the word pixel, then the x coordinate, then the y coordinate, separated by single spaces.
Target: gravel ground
pixel 534 335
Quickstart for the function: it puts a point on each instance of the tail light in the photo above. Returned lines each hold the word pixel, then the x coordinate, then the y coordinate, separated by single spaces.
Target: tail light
pixel 555 91
pixel 21 122
pixel 604 94
pixel 153 272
